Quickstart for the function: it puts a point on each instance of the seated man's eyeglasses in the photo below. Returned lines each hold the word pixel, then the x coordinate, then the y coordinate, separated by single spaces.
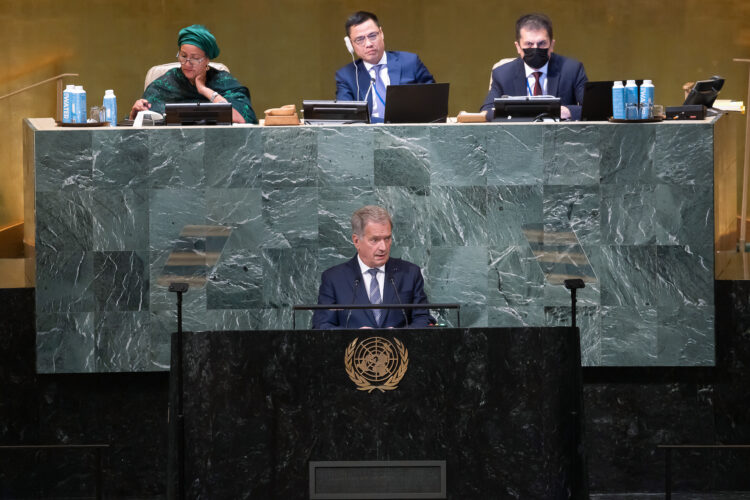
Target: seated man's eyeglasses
pixel 191 60
pixel 360 40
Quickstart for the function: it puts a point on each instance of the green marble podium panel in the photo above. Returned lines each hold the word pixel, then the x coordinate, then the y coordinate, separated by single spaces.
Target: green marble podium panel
pixel 112 205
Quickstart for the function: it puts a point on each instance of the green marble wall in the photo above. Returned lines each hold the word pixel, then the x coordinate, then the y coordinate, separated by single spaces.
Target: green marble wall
pixel 111 204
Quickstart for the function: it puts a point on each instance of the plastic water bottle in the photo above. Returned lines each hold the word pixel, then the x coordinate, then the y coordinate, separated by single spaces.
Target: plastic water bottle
pixel 618 101
pixel 631 99
pixel 646 100
pixel 68 97
pixel 75 104
pixel 82 113
pixel 110 103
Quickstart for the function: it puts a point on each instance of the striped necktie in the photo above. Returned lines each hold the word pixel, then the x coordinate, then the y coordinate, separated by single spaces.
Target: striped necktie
pixel 375 295
pixel 379 89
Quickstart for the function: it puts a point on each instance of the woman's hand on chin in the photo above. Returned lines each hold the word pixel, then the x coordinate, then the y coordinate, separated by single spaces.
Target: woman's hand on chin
pixel 200 80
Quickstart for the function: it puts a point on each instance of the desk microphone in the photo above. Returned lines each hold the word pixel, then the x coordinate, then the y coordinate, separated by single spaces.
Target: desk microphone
pixel 354 297
pixel 403 311
pixel 372 82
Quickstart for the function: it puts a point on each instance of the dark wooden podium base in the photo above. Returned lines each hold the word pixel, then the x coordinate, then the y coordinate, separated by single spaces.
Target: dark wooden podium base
pixel 500 406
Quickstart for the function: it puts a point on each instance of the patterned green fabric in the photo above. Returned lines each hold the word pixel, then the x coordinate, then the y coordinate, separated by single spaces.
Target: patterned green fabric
pixel 173 86
pixel 200 37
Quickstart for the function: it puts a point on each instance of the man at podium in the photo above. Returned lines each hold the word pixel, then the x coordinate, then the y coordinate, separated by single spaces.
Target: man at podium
pixel 372 277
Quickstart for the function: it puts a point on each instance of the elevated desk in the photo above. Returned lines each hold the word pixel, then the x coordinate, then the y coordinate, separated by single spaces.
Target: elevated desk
pixel 258 213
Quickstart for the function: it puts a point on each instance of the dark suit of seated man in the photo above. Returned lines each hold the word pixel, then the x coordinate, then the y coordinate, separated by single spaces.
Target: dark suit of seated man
pixel 352 282
pixel 537 71
pixel 375 66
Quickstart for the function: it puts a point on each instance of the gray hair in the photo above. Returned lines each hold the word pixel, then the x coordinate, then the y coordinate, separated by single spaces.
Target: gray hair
pixel 369 213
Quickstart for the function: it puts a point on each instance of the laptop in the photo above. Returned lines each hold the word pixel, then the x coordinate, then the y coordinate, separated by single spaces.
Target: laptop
pixel 597 101
pixel 416 103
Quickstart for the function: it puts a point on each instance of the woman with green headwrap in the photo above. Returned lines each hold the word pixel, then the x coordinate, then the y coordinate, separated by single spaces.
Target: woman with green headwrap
pixel 195 80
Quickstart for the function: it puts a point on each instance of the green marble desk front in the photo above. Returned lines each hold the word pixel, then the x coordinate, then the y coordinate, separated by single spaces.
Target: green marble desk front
pixel 111 204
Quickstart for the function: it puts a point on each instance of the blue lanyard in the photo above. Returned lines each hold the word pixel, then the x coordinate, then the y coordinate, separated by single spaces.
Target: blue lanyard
pixel 531 92
pixel 382 101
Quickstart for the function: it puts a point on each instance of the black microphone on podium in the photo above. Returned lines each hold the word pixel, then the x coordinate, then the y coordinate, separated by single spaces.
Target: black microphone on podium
pixel 403 311
pixel 354 297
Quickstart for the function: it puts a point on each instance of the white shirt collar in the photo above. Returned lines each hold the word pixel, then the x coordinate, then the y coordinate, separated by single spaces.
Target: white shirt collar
pixel 364 268
pixel 383 60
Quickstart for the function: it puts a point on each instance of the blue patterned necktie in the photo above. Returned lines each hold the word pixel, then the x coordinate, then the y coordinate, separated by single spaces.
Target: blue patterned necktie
pixel 379 90
pixel 375 295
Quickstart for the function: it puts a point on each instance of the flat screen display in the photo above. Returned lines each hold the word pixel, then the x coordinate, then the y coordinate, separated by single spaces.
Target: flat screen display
pixel 705 92
pixel 198 113
pixel 526 108
pixel 335 112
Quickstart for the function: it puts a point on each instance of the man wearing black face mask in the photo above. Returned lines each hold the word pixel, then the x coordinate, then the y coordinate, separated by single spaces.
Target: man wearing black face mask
pixel 537 71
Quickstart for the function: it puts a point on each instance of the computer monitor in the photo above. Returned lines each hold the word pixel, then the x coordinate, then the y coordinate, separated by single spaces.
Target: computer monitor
pixel 597 101
pixel 417 103
pixel 526 108
pixel 335 112
pixel 705 91
pixel 198 113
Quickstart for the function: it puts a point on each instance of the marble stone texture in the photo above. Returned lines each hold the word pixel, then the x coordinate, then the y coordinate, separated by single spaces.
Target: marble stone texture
pixel 637 199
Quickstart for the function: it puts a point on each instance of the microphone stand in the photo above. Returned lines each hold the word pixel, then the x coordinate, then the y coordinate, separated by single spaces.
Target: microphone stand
pixel 573 285
pixel 176 452
pixel 354 298
pixel 403 311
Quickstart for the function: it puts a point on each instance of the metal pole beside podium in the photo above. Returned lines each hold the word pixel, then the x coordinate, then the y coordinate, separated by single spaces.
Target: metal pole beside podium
pixel 176 419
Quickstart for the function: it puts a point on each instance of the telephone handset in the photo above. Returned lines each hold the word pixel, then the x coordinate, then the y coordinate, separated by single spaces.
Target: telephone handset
pixel 348 43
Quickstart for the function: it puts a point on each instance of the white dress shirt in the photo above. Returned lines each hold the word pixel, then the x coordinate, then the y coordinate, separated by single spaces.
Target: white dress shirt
pixel 368 277
pixel 530 80
pixel 377 106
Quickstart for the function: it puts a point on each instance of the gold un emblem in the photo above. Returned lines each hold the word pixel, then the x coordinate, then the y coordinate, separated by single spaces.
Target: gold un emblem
pixel 376 363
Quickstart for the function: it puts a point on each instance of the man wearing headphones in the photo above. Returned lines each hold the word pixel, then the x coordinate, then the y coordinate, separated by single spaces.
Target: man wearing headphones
pixel 367 77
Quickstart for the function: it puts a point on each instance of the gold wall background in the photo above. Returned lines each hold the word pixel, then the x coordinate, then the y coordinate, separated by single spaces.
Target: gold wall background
pixel 288 50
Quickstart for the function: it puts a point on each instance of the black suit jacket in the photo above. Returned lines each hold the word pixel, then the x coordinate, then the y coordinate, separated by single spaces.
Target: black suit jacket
pixel 343 284
pixel 566 79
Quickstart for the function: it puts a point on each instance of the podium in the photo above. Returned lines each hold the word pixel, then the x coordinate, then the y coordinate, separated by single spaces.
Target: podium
pixel 500 406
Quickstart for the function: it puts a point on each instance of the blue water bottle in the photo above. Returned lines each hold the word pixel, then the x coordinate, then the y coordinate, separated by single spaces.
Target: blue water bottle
pixel 618 101
pixel 82 112
pixel 646 100
pixel 68 97
pixel 75 104
pixel 110 104
pixel 631 100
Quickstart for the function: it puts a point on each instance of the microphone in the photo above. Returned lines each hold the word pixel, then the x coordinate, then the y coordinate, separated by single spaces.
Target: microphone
pixel 372 82
pixel 403 311
pixel 354 297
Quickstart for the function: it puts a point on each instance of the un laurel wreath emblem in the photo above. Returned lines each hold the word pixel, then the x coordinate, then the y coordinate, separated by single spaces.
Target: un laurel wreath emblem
pixel 376 363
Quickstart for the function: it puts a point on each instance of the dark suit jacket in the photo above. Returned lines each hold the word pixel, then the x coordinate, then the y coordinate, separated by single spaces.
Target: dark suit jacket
pixel 339 285
pixel 565 79
pixel 403 68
